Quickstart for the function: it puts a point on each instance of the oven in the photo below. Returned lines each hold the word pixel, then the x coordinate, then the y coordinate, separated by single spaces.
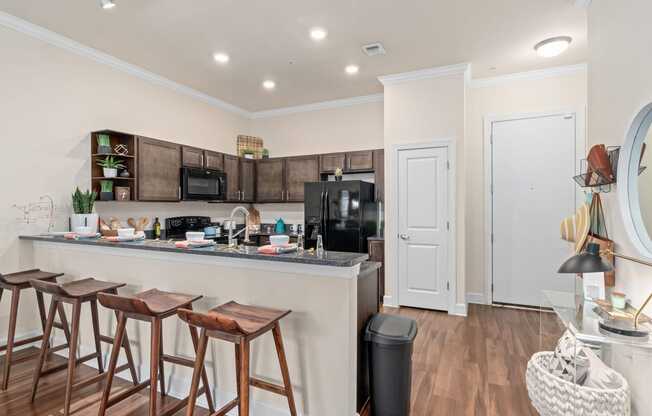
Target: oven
pixel 202 185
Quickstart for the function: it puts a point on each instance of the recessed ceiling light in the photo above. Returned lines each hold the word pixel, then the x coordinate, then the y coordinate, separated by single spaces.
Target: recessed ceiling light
pixel 107 4
pixel 318 33
pixel 352 69
pixel 552 47
pixel 221 58
pixel 269 84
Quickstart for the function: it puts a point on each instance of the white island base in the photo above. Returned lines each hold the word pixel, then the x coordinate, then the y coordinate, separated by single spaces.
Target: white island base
pixel 321 335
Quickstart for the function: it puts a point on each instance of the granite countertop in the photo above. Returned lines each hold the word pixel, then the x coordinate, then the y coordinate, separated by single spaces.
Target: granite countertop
pixel 330 258
pixel 376 238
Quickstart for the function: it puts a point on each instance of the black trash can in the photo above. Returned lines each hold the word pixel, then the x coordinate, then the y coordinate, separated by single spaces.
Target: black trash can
pixel 389 341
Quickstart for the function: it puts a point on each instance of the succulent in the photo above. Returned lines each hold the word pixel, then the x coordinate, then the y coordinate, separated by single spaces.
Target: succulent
pixel 82 202
pixel 103 140
pixel 338 172
pixel 110 162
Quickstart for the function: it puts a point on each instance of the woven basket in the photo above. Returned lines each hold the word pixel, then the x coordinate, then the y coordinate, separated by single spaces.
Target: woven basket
pixel 552 396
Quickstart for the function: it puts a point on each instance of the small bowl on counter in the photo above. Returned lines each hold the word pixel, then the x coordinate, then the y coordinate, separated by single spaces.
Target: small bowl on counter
pixel 126 232
pixel 279 240
pixel 195 236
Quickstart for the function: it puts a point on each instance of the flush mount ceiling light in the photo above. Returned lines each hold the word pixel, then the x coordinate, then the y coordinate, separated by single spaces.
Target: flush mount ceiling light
pixel 352 69
pixel 552 47
pixel 317 33
pixel 107 4
pixel 269 84
pixel 221 58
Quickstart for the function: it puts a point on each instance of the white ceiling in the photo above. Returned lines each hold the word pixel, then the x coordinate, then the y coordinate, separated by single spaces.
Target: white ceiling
pixel 270 39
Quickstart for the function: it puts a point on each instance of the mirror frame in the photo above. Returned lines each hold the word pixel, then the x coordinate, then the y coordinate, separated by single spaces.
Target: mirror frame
pixel 628 195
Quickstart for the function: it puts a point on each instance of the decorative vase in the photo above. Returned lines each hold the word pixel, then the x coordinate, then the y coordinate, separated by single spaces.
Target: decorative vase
pixel 110 172
pixel 125 174
pixel 106 196
pixel 338 178
pixel 84 220
pixel 104 150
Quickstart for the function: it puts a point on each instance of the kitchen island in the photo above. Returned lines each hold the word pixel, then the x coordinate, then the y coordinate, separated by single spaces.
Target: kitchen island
pixel 331 297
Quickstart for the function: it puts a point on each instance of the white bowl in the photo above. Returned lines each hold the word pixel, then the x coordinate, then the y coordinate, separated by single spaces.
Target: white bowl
pixel 83 230
pixel 126 232
pixel 194 236
pixel 279 240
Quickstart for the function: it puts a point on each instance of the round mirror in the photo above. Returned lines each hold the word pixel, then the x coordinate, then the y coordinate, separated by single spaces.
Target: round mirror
pixel 635 181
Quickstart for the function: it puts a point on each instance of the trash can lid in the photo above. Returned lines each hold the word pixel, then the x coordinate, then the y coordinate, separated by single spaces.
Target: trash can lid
pixel 391 329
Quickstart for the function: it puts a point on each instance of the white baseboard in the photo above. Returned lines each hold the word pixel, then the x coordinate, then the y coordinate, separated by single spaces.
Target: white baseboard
pixel 177 387
pixel 478 298
pixel 389 302
pixel 459 310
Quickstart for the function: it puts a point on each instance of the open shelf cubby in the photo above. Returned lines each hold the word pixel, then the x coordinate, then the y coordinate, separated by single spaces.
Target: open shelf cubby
pixel 129 160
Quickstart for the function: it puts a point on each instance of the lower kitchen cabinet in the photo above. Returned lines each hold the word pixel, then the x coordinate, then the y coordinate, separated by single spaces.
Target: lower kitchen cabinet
pixel 377 254
pixel 159 167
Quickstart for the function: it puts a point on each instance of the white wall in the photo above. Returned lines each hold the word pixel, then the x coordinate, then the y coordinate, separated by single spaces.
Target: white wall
pixel 620 84
pixel 418 111
pixel 51 100
pixel 505 97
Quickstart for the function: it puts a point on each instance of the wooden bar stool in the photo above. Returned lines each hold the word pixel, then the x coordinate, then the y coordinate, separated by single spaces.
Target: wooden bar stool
pixel 17 282
pixel 76 293
pixel 150 306
pixel 239 324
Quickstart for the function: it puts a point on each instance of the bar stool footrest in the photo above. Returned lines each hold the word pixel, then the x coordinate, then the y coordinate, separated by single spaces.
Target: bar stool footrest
pixel 127 393
pixel 226 408
pixel 261 384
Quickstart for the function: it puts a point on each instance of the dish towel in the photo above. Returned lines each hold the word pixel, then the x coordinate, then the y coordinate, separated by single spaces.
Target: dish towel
pixel 270 249
pixel 194 244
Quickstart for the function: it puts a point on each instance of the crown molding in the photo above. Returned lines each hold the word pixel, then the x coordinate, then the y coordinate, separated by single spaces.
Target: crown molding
pixel 55 39
pixel 324 105
pixel 529 75
pixel 436 72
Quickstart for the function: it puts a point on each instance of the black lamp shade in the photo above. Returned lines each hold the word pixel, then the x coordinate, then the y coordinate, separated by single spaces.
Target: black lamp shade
pixel 586 262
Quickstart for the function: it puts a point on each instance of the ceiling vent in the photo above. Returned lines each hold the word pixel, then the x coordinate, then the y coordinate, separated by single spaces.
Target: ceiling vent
pixel 374 49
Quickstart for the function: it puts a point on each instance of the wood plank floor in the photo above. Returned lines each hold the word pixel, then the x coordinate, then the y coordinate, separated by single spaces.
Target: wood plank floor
pixel 473 366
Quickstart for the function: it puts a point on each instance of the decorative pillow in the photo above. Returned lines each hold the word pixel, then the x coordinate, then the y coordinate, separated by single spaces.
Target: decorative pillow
pixel 601 376
pixel 570 361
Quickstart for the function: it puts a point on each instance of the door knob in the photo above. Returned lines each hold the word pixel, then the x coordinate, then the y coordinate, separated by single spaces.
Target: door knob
pixel 404 236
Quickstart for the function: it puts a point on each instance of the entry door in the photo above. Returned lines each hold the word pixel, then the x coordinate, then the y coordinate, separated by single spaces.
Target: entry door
pixel 423 228
pixel 533 190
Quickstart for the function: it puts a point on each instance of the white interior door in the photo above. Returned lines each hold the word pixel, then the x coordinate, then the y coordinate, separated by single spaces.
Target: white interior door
pixel 423 242
pixel 533 162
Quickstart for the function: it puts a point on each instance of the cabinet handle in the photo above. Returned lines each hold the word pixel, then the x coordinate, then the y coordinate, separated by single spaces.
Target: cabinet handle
pixel 202 159
pixel 282 195
pixel 243 194
pixel 287 195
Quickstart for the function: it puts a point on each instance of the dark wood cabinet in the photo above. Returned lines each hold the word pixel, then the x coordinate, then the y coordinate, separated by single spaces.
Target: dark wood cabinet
pixel 159 166
pixel 213 160
pixel 232 170
pixel 377 254
pixel 247 180
pixel 192 157
pixel 270 180
pixel 329 162
pixel 299 170
pixel 379 173
pixel 360 161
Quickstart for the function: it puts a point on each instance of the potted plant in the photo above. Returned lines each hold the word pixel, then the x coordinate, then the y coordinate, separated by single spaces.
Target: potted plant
pixel 110 166
pixel 338 174
pixel 265 153
pixel 248 153
pixel 82 207
pixel 106 190
pixel 103 144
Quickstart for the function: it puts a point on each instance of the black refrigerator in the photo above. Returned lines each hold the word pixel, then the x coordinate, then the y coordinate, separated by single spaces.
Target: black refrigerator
pixel 344 213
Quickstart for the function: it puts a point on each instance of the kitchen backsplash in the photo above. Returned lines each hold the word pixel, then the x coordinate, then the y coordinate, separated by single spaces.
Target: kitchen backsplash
pixel 269 213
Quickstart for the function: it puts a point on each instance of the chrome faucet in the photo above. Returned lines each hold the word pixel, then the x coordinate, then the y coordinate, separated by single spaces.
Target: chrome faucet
pixel 233 241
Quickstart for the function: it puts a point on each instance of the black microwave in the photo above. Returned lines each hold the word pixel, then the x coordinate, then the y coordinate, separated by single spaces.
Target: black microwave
pixel 203 184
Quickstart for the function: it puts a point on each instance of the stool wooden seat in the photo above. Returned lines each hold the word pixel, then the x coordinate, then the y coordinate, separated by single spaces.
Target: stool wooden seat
pixel 15 283
pixel 240 324
pixel 151 306
pixel 76 293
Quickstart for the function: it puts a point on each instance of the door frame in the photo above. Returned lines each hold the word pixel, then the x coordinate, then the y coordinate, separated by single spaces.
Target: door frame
pixel 449 144
pixel 487 142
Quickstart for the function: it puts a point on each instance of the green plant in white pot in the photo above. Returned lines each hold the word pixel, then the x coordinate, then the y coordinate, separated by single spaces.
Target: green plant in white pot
pixel 110 166
pixel 82 207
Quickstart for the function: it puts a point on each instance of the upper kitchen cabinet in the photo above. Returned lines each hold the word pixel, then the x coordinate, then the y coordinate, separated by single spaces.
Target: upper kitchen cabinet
pixel 232 170
pixel 192 157
pixel 247 180
pixel 159 166
pixel 299 170
pixel 379 172
pixel 360 161
pixel 330 162
pixel 270 180
pixel 213 160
